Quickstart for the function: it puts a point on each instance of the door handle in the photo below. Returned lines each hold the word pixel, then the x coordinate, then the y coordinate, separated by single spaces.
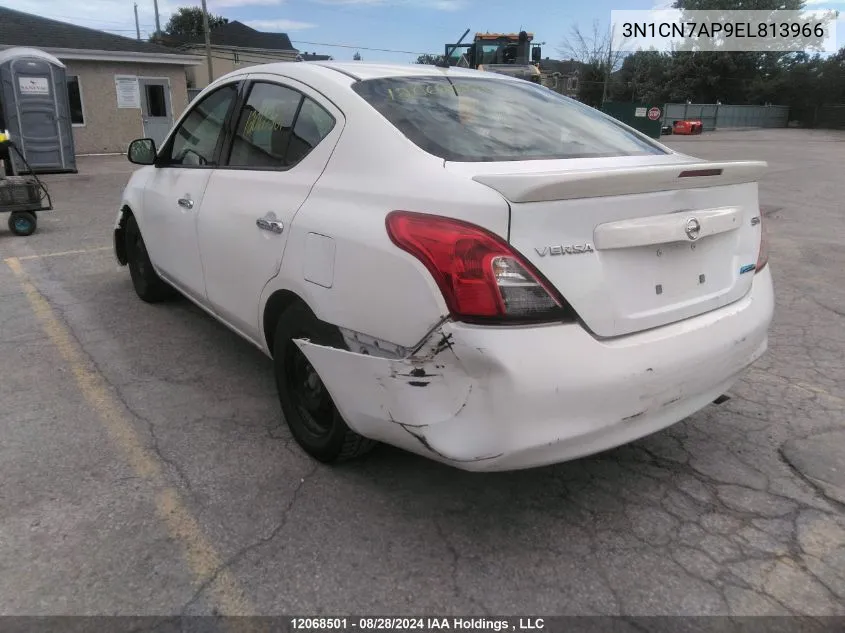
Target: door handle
pixel 274 226
pixel 186 202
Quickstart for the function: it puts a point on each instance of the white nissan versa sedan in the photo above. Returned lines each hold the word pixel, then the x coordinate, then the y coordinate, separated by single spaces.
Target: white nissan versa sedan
pixel 461 264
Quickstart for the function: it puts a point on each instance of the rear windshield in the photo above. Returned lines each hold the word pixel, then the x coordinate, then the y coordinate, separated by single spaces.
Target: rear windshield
pixel 478 119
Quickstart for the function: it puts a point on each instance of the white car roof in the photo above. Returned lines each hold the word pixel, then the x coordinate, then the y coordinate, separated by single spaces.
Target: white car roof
pixel 344 71
pixel 372 70
pixel 333 79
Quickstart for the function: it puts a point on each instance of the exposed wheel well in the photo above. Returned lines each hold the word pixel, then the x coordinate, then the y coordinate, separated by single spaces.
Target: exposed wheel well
pixel 278 302
pixel 119 243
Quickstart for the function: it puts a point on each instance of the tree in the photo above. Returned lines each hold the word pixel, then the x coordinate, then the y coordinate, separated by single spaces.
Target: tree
pixel 739 5
pixel 804 81
pixel 591 85
pixel 428 58
pixel 188 22
pixel 738 77
pixel 595 50
pixel 644 76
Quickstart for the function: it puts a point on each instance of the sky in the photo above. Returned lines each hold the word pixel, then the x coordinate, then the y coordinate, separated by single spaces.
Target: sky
pixel 404 28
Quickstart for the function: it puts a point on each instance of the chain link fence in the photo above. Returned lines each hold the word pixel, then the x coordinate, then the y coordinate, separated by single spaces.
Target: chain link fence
pixel 831 116
pixel 715 115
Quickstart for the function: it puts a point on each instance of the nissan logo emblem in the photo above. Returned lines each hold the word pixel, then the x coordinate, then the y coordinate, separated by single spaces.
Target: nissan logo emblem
pixel 693 228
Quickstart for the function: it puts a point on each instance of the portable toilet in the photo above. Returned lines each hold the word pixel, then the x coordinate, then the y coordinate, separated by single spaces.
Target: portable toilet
pixel 35 110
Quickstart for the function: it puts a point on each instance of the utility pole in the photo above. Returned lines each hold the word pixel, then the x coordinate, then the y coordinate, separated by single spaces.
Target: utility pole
pixel 137 26
pixel 606 79
pixel 609 65
pixel 207 40
pixel 158 25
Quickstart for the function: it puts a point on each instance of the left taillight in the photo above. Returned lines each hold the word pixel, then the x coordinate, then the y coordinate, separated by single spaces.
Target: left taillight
pixel 763 254
pixel 481 277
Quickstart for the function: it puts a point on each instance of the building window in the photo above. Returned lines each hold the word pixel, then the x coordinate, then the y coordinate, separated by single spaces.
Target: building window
pixel 74 95
pixel 155 100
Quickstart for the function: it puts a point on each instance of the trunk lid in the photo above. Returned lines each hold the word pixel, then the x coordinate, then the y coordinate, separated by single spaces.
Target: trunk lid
pixel 633 243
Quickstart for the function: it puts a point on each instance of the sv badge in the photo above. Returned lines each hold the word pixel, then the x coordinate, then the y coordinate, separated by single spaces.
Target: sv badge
pixel 560 249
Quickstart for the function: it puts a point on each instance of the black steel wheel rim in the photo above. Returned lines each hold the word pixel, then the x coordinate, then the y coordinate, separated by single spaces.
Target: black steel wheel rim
pixel 308 394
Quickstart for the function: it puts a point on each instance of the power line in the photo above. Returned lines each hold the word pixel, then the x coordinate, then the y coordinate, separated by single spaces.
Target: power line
pixel 360 48
pixel 79 18
pixel 150 27
pixel 76 17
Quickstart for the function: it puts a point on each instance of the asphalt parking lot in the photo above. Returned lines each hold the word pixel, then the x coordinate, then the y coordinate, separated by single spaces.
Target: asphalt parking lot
pixel 145 467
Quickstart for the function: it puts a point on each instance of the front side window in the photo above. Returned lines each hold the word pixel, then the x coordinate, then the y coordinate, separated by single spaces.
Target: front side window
pixel 277 128
pixel 470 119
pixel 195 140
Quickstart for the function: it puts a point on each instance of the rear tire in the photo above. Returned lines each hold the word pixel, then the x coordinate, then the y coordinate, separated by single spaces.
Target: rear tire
pixel 148 285
pixel 310 412
pixel 22 223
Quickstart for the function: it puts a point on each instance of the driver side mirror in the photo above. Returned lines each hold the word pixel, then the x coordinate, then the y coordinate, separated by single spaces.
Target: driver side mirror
pixel 536 54
pixel 142 151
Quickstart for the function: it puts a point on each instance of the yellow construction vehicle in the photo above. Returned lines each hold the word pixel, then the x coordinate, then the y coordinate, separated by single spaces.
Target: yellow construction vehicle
pixel 505 53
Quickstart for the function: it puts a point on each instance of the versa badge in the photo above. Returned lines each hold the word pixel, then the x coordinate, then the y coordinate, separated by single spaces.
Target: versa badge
pixel 561 249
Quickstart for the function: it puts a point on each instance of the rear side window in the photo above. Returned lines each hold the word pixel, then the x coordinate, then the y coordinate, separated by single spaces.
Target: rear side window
pixel 475 119
pixel 312 125
pixel 277 128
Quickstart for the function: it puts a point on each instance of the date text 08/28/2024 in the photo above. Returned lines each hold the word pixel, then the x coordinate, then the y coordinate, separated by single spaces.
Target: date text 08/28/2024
pixel 415 624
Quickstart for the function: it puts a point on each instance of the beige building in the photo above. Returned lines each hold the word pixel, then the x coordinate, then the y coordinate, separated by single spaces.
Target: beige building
pixel 119 88
pixel 233 46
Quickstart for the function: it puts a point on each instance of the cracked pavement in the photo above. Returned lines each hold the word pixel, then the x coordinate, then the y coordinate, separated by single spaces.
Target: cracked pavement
pixel 738 510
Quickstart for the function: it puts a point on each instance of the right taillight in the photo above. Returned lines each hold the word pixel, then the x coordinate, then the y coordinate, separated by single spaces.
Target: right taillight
pixel 763 255
pixel 481 277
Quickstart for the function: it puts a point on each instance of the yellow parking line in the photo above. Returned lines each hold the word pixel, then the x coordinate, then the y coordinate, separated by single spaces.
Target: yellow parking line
pixel 819 390
pixel 60 254
pixel 201 556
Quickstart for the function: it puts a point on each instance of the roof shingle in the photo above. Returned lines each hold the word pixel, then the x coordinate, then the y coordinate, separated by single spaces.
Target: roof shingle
pixel 564 67
pixel 239 35
pixel 25 29
pixel 314 57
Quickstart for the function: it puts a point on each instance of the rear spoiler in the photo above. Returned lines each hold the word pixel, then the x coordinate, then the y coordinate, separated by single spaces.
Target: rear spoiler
pixel 594 183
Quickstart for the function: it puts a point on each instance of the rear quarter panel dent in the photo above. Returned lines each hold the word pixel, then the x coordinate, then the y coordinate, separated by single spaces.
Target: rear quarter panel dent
pixel 412 392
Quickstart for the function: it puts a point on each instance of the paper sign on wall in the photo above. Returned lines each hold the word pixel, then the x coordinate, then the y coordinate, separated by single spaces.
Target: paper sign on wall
pixel 128 91
pixel 34 85
pixel 639 112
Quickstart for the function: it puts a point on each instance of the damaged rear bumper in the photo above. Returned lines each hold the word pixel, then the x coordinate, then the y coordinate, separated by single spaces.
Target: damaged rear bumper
pixel 503 398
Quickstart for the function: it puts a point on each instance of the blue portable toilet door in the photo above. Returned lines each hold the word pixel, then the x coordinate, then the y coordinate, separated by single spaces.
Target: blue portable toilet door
pixel 37 111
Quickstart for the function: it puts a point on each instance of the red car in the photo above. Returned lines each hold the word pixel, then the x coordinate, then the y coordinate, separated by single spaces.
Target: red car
pixel 692 126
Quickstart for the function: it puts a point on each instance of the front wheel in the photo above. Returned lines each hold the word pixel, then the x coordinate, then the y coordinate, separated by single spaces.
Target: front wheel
pixel 23 223
pixel 310 413
pixel 148 285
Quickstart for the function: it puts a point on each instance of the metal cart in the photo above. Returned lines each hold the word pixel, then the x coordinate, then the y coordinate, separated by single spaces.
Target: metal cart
pixel 23 197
